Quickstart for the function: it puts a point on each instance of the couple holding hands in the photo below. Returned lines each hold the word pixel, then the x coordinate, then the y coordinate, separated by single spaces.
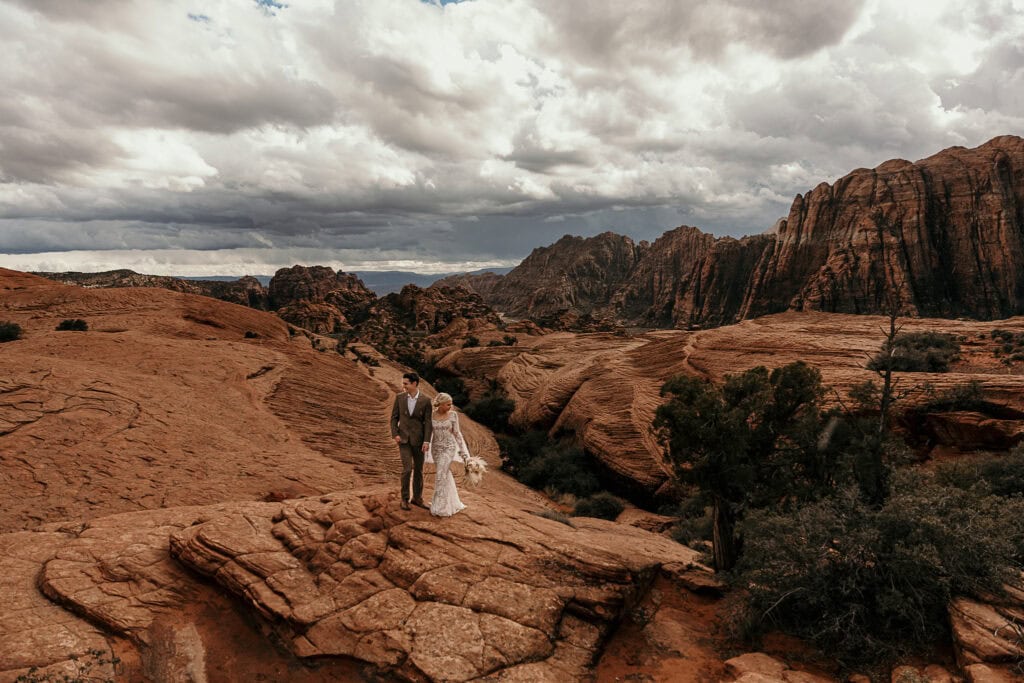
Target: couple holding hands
pixel 425 429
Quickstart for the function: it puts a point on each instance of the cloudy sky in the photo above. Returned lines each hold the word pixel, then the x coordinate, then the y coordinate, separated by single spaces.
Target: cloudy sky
pixel 206 137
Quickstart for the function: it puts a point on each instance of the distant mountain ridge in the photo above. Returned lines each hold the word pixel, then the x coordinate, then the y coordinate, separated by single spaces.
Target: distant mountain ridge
pixel 941 237
pixel 325 301
pixel 380 282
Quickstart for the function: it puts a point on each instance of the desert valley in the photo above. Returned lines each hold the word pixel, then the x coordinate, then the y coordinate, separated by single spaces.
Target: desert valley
pixel 199 484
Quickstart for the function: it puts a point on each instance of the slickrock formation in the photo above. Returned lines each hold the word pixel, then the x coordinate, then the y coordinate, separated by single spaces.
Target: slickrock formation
pixel 604 388
pixel 164 401
pixel 988 635
pixel 165 427
pixel 492 591
pixel 942 237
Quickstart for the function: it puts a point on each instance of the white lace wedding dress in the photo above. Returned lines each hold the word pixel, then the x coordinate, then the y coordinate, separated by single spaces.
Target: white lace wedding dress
pixel 445 444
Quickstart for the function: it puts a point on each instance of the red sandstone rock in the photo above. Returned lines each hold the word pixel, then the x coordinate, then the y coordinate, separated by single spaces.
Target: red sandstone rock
pixel 246 291
pixel 604 389
pixel 574 274
pixel 942 237
pixel 166 409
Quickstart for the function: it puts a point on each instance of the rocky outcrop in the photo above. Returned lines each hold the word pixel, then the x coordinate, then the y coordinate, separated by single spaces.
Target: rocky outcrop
pixel 245 291
pixel 689 278
pixel 481 283
pixel 604 388
pixel 942 237
pixel 167 421
pixel 433 309
pixel 988 634
pixel 319 299
pixel 492 590
pixel 574 273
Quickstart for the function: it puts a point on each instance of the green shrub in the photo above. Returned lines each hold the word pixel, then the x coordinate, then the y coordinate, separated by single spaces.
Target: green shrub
pixel 518 450
pixel 1003 475
pixel 562 467
pixel 249 334
pixel 510 340
pixel 9 331
pixel 918 352
pixel 1004 335
pixel 868 585
pixel 73 325
pixel 963 396
pixel 556 466
pixel 602 505
pixel 470 342
pixel 492 410
pixel 693 531
pixel 453 386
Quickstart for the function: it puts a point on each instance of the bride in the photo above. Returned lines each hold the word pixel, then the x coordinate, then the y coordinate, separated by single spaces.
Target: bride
pixel 445 443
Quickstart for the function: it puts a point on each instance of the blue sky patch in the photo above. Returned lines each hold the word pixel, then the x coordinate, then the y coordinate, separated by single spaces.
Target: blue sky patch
pixel 271 6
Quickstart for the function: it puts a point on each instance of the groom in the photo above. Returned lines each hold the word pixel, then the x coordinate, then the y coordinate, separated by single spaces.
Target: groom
pixel 411 428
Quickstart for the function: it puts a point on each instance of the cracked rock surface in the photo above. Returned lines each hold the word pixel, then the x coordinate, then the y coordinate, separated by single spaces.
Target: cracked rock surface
pixel 495 592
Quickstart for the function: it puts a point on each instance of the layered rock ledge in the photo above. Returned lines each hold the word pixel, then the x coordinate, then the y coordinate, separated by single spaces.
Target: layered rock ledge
pixel 494 593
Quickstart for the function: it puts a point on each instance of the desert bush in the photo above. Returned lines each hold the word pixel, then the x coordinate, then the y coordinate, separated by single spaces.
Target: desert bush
pixel 471 342
pixel 492 410
pixel 963 396
pixel 1002 475
pixel 557 467
pixel 693 531
pixel 918 352
pixel 870 584
pixel 517 450
pixel 9 331
pixel 510 340
pixel 562 467
pixel 602 505
pixel 453 386
pixel 73 325
pixel 249 334
pixel 361 357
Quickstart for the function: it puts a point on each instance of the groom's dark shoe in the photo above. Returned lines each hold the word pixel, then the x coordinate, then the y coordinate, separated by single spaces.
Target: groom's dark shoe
pixel 419 502
pixel 405 505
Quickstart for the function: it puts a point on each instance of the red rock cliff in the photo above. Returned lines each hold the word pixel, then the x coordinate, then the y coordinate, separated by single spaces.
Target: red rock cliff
pixel 944 236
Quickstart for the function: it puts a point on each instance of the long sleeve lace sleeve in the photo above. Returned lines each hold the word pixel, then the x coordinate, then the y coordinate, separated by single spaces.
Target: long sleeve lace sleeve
pixel 463 448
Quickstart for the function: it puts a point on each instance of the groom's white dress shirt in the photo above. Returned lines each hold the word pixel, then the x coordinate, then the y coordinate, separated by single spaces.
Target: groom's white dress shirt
pixel 411 401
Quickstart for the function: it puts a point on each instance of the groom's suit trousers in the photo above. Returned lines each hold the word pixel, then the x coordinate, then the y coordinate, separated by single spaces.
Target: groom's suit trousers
pixel 412 468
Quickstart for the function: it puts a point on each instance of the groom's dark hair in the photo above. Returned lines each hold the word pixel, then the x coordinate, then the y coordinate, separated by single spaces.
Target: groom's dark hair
pixel 412 377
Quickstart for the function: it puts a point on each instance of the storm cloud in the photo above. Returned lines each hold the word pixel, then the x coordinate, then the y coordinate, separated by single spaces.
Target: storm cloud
pixel 237 136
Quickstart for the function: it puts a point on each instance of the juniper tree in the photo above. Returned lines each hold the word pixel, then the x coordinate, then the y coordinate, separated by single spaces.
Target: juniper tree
pixel 752 442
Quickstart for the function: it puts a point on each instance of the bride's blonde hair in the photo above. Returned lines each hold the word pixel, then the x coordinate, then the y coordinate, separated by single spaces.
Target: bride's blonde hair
pixel 441 399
